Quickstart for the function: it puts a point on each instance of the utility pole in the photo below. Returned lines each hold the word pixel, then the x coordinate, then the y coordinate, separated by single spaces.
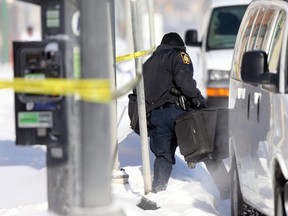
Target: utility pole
pixel 97 40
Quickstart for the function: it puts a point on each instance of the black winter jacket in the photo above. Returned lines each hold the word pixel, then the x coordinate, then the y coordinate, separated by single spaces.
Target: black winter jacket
pixel 169 66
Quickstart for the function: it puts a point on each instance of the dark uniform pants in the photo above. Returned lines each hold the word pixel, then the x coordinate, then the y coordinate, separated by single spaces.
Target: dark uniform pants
pixel 163 143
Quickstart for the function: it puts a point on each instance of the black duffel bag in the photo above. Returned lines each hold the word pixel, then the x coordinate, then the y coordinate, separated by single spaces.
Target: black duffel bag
pixel 203 134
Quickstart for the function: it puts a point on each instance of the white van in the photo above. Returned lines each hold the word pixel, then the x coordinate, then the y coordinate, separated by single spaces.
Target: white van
pixel 258 111
pixel 212 66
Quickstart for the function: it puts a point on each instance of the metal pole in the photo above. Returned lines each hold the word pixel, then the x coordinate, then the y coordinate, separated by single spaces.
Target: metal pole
pixel 97 61
pixel 63 157
pixel 151 22
pixel 119 175
pixel 137 39
pixel 5 31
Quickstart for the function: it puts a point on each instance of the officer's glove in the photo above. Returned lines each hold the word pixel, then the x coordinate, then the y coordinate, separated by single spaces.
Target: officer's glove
pixel 195 103
pixel 198 102
pixel 202 100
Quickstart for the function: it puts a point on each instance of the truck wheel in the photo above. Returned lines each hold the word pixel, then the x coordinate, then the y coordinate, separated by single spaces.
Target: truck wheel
pixel 237 203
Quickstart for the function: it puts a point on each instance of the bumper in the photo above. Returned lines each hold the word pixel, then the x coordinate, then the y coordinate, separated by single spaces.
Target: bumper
pixel 217 101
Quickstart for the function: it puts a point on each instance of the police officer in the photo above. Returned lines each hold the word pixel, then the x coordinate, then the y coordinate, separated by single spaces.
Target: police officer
pixel 168 68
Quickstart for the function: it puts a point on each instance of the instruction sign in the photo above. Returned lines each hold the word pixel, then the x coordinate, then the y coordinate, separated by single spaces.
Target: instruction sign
pixel 35 119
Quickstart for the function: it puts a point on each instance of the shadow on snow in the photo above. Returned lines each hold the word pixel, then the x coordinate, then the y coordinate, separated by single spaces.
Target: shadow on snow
pixel 12 155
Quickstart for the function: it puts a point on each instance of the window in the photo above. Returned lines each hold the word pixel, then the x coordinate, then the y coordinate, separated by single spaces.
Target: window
pixel 243 37
pixel 272 42
pixel 224 25
pixel 277 38
pixel 265 30
pixel 256 28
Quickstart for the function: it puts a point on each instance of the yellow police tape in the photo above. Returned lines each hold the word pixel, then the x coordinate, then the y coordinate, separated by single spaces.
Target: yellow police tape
pixel 91 90
pixel 134 55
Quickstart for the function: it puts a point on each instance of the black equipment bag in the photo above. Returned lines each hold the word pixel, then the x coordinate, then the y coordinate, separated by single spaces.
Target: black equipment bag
pixel 203 134
pixel 133 113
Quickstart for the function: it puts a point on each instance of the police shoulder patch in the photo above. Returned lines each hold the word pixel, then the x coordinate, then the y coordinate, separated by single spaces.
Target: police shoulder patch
pixel 185 58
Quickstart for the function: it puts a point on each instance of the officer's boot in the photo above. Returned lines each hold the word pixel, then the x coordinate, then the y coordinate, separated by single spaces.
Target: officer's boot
pixel 162 172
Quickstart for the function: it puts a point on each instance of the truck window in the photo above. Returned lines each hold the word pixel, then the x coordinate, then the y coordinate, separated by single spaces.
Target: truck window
pixel 273 23
pixel 257 25
pixel 265 30
pixel 275 49
pixel 223 27
pixel 243 39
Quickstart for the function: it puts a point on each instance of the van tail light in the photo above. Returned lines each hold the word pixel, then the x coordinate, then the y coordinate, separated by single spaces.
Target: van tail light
pixel 217 92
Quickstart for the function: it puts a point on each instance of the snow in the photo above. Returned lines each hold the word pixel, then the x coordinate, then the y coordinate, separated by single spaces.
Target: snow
pixel 23 174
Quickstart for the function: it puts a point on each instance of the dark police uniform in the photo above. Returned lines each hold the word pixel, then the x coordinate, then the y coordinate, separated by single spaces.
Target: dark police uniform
pixel 168 67
pixel 171 67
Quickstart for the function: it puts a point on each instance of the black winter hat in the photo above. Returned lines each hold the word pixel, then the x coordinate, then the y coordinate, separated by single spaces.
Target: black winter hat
pixel 172 39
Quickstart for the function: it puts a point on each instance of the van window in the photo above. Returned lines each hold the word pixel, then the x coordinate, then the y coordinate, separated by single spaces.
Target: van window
pixel 263 21
pixel 274 39
pixel 257 24
pixel 243 38
pixel 275 48
pixel 223 27
pixel 265 31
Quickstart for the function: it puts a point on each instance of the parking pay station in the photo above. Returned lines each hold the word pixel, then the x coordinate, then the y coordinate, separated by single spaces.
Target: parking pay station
pixel 40 119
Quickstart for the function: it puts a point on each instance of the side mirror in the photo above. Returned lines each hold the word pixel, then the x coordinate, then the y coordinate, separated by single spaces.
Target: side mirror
pixel 254 68
pixel 191 38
